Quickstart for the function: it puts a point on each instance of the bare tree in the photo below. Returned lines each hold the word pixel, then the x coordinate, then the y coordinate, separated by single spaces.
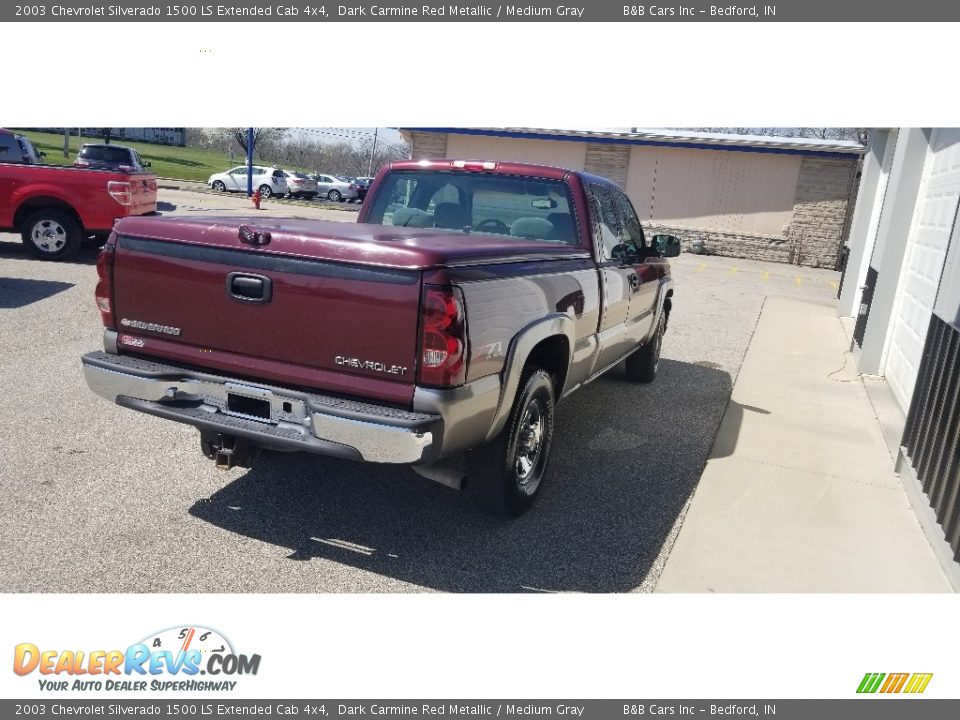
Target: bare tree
pixel 859 135
pixel 261 136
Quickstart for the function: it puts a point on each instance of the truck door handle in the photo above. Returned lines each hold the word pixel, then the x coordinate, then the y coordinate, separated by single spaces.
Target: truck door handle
pixel 634 281
pixel 249 288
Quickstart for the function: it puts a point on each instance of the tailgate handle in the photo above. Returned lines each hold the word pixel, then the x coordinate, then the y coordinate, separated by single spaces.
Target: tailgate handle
pixel 249 288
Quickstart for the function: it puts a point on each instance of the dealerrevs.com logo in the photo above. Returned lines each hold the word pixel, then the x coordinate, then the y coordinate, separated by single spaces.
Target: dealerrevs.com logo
pixel 172 659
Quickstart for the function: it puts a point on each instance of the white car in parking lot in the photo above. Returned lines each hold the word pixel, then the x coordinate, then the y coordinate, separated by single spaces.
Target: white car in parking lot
pixel 333 188
pixel 270 181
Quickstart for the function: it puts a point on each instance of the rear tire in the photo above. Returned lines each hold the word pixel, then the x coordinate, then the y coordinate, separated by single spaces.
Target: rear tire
pixel 333 196
pixel 219 186
pixel 642 365
pixel 506 476
pixel 52 234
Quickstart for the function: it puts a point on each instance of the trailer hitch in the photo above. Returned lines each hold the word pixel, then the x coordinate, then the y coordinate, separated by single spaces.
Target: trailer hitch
pixel 228 451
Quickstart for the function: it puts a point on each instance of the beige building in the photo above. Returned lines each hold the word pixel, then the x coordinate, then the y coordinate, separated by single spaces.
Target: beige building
pixel 771 198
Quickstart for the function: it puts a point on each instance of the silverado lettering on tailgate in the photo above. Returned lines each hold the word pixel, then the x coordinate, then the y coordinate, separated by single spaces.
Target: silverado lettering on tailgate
pixel 152 327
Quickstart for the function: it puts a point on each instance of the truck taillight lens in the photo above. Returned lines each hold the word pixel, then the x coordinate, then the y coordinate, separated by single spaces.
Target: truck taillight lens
pixel 443 338
pixel 104 291
pixel 119 191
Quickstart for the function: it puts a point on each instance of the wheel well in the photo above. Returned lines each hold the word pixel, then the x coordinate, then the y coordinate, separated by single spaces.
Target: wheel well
pixel 40 203
pixel 552 355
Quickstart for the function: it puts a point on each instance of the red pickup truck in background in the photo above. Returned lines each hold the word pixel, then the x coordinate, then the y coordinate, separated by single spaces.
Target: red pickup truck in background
pixel 56 208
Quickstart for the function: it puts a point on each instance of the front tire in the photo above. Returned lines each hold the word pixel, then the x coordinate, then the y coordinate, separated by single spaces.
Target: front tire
pixel 333 196
pixel 219 186
pixel 642 365
pixel 506 476
pixel 52 234
pixel 265 191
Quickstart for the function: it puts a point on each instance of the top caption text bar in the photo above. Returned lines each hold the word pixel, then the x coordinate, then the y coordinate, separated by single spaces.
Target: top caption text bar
pixel 595 11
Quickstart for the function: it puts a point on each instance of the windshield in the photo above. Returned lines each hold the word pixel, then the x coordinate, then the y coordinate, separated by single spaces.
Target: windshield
pixel 529 208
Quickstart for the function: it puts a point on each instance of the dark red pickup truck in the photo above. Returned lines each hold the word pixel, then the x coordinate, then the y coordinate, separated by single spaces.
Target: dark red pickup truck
pixel 56 208
pixel 448 322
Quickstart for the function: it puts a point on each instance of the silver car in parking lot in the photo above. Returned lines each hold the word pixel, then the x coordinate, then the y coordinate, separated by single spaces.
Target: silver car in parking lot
pixel 300 185
pixel 333 188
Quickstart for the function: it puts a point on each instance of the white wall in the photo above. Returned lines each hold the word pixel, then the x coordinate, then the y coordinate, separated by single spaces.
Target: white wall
pixel 724 191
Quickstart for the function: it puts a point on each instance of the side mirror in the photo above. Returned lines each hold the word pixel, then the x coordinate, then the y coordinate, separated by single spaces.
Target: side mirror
pixel 146 163
pixel 666 245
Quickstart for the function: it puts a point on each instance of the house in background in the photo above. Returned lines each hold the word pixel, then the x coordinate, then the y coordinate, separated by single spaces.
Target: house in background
pixel 750 196
pixel 902 287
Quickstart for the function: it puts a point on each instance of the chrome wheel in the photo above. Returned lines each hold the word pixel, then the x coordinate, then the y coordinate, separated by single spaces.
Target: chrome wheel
pixel 265 191
pixel 48 235
pixel 219 186
pixel 529 444
pixel 333 196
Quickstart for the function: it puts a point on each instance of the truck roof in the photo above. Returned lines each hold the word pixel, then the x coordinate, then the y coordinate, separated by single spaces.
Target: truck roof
pixel 513 168
pixel 548 172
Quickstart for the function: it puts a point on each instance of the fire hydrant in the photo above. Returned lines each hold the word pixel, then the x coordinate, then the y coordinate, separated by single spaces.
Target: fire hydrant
pixel 256 199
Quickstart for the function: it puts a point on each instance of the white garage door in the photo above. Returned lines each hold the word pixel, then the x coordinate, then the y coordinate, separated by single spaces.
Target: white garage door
pixel 923 261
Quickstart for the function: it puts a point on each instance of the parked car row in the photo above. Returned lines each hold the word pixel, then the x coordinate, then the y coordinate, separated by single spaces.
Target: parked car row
pixel 276 182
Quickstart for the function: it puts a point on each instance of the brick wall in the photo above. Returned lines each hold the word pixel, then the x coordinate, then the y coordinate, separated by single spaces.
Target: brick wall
pixel 428 145
pixel 820 210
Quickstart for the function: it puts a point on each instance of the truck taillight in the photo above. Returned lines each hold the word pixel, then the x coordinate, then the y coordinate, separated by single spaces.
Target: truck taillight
pixel 119 191
pixel 104 291
pixel 443 338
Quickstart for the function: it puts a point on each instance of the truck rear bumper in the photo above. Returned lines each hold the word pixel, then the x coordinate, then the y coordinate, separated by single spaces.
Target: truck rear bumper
pixel 266 415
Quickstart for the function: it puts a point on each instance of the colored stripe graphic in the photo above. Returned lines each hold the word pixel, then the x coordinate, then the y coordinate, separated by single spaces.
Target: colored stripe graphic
pixel 870 682
pixel 918 683
pixel 894 683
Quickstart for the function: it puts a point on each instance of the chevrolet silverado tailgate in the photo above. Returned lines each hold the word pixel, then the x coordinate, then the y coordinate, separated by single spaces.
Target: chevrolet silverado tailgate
pixel 268 303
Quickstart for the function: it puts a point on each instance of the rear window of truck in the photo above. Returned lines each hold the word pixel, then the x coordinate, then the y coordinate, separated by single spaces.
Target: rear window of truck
pixel 509 205
pixel 105 154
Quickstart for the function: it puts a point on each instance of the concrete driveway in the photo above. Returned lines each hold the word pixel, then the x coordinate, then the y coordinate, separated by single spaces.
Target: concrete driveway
pixel 101 499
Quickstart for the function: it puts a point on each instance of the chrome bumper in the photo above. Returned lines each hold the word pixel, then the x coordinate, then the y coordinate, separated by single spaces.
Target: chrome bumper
pixel 298 420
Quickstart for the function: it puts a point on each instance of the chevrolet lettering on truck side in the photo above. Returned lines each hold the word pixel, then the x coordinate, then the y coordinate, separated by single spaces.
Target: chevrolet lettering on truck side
pixel 439 331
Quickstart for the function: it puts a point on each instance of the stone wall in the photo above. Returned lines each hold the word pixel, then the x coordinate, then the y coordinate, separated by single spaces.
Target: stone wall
pixel 608 160
pixel 753 247
pixel 820 210
pixel 427 145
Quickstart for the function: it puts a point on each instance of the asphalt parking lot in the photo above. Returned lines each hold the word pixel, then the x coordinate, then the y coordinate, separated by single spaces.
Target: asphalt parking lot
pixel 101 499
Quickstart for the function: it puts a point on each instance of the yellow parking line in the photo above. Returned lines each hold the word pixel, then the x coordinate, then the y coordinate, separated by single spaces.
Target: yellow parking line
pixel 766 275
pixel 734 270
pixel 701 267
pixel 833 284
pixel 799 280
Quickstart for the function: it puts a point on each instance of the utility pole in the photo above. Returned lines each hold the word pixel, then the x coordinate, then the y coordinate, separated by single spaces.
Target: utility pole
pixel 373 152
pixel 66 142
